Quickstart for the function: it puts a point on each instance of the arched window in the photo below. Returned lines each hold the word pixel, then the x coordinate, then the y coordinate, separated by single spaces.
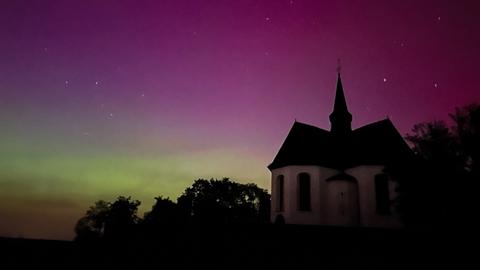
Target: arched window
pixel 382 194
pixel 279 193
pixel 304 192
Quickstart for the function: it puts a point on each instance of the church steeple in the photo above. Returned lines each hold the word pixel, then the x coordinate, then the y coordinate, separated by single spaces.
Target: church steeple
pixel 340 118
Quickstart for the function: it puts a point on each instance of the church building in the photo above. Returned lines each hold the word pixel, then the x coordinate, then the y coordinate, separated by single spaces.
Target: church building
pixel 338 177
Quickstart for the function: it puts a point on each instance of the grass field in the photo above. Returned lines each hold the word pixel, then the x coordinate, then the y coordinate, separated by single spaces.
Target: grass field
pixel 250 247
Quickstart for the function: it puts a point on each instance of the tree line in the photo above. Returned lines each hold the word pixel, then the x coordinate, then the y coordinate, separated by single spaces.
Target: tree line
pixel 206 202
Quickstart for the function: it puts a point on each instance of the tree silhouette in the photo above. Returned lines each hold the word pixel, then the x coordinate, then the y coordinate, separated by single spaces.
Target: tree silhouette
pixel 225 202
pixel 121 218
pixel 467 130
pixel 92 225
pixel 205 202
pixel 109 220
pixel 164 212
pixel 434 142
pixel 438 189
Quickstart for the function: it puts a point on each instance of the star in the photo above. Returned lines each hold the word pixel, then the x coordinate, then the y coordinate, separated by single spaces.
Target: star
pixel 110 115
pixel 267 19
pixel 438 18
pixel 96 83
pixel 435 85
pixel 66 83
pixel 142 95
pixel 384 80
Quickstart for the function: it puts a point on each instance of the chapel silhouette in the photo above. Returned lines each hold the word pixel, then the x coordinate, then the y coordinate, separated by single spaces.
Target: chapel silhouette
pixel 338 177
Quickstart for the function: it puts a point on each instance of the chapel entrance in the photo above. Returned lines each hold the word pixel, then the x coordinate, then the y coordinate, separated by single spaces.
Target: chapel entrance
pixel 342 201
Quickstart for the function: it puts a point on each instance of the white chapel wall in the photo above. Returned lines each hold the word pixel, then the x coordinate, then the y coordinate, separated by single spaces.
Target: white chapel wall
pixel 320 213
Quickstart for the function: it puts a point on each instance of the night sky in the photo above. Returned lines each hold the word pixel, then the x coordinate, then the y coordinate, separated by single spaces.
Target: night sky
pixel 140 98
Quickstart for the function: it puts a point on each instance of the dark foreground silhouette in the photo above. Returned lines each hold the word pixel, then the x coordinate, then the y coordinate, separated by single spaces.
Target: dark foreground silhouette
pixel 249 247
pixel 206 202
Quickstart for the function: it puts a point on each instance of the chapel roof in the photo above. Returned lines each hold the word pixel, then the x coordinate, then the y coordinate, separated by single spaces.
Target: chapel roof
pixel 378 143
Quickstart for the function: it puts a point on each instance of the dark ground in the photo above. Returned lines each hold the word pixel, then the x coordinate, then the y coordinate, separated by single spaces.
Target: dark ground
pixel 251 247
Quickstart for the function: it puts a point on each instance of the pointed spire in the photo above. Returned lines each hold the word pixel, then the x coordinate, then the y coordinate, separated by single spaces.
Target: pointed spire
pixel 340 103
pixel 340 118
